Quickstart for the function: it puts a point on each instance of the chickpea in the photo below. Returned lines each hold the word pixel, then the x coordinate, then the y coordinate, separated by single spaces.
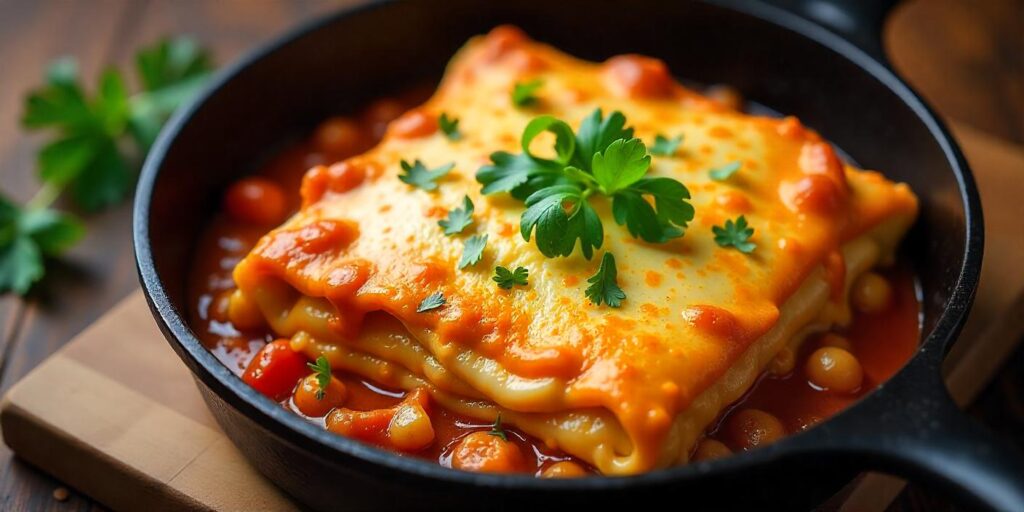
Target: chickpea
pixel 306 400
pixel 835 369
pixel 872 293
pixel 710 449
pixel 340 137
pixel 256 201
pixel 487 453
pixel 380 113
pixel 835 340
pixel 243 312
pixel 410 429
pixel 749 428
pixel 564 469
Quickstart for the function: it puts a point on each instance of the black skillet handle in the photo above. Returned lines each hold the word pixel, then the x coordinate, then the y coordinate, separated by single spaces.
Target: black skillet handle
pixel 858 21
pixel 912 428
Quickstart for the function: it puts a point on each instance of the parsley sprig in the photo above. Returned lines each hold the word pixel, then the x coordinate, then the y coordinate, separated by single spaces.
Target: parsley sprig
pixel 322 369
pixel 96 142
pixel 602 158
pixel 506 278
pixel 735 234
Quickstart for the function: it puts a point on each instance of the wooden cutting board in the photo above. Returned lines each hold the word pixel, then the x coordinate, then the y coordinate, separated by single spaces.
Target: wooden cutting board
pixel 117 416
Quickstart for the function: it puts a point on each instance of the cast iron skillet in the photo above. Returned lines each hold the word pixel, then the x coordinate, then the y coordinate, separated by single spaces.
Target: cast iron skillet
pixel 835 79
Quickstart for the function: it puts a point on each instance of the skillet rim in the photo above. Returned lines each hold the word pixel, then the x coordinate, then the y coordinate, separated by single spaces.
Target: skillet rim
pixel 293 430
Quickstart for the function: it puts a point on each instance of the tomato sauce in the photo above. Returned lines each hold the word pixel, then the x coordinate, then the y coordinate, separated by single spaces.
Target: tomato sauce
pixel 882 341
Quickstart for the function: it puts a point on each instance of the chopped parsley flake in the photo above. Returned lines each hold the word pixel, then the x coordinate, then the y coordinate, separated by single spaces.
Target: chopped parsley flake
pixel 433 301
pixel 523 93
pixel 418 175
pixel 322 369
pixel 497 430
pixel 664 146
pixel 449 126
pixel 725 172
pixel 506 278
pixel 472 251
pixel 458 218
pixel 735 234
pixel 603 286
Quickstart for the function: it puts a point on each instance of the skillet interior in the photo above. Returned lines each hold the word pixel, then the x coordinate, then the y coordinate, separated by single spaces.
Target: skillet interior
pixel 346 60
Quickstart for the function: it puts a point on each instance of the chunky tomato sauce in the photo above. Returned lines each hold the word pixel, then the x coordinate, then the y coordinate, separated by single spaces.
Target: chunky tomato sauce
pixel 879 342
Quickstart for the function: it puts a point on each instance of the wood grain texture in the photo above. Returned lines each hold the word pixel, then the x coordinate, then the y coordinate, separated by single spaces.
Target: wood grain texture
pixel 966 57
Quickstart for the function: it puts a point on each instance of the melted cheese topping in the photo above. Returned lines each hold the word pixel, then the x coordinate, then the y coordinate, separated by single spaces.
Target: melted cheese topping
pixel 627 389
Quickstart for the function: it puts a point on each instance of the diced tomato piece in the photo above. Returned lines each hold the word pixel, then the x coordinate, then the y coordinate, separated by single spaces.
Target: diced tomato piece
pixel 276 370
pixel 256 201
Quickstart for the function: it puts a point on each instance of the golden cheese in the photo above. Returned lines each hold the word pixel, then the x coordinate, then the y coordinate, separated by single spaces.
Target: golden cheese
pixel 627 389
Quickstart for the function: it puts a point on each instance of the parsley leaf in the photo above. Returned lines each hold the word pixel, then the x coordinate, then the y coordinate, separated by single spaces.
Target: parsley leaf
pixel 621 165
pixel 26 238
pixel 458 218
pixel 603 286
pixel 472 251
pixel 735 234
pixel 525 173
pixel 561 215
pixel 523 92
pixel 596 133
pixel 506 278
pixel 322 369
pixel 418 175
pixel 497 430
pixel 666 147
pixel 726 171
pixel 449 126
pixel 171 72
pixel 433 301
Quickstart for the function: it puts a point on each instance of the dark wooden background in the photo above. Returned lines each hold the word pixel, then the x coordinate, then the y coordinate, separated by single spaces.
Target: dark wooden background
pixel 967 57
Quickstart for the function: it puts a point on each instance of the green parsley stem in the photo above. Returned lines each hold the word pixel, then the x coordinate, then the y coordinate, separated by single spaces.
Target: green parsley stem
pixel 47 194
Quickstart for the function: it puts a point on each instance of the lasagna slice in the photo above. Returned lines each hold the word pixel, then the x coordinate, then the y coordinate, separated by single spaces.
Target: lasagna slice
pixel 628 389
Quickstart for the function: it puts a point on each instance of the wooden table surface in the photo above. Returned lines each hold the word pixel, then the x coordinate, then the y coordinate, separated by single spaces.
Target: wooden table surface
pixel 967 58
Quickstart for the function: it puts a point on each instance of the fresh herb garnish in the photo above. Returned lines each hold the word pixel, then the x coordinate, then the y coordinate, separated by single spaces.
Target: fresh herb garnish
pixel 322 369
pixel 418 175
pixel 449 126
pixel 433 301
pixel 506 278
pixel 89 152
pixel 735 235
pixel 497 430
pixel 602 158
pixel 26 237
pixel 726 171
pixel 666 147
pixel 603 286
pixel 458 218
pixel 523 92
pixel 472 251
